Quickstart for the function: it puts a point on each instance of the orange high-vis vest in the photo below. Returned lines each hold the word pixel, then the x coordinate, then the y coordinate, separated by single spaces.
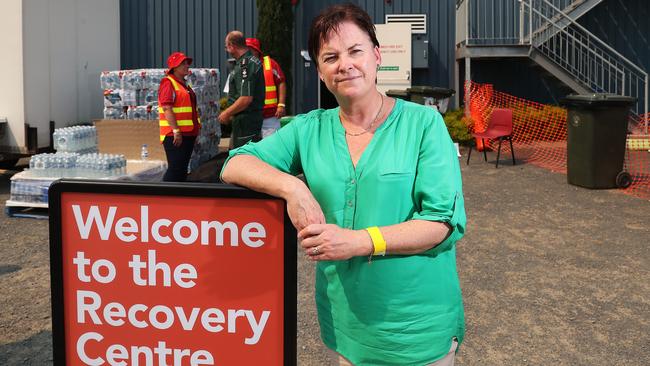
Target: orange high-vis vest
pixel 182 109
pixel 271 96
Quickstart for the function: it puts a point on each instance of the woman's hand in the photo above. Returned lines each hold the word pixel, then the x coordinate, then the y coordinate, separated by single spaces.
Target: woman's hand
pixel 178 139
pixel 280 112
pixel 251 172
pixel 327 242
pixel 302 208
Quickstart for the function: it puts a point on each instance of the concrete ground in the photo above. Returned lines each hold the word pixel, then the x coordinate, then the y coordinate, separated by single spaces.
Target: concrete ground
pixel 551 274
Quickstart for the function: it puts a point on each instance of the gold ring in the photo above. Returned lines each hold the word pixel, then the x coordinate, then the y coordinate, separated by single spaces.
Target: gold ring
pixel 315 251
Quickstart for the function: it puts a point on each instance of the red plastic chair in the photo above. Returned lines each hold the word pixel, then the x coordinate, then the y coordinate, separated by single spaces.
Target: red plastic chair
pixel 499 127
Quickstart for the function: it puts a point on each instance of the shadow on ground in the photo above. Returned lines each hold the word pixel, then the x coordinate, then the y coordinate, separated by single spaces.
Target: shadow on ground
pixel 35 350
pixel 5 269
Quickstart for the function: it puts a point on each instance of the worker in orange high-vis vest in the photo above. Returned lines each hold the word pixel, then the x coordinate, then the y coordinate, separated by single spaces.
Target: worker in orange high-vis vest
pixel 179 118
pixel 275 89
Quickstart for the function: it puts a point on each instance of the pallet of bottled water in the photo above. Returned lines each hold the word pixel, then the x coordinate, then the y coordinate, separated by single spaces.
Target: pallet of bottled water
pixel 32 192
pixel 77 139
pixel 29 188
pixel 75 165
pixel 207 143
pixel 133 94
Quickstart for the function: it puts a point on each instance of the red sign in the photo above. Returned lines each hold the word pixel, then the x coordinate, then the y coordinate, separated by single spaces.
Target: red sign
pixel 172 280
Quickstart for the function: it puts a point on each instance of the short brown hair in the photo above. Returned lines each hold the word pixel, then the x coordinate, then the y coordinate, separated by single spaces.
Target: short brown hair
pixel 330 19
pixel 236 38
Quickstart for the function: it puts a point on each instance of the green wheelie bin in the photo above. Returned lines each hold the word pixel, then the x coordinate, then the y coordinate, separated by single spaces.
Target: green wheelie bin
pixel 398 93
pixel 431 96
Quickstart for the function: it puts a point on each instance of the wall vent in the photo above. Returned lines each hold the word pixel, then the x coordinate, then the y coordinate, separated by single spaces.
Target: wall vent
pixel 418 22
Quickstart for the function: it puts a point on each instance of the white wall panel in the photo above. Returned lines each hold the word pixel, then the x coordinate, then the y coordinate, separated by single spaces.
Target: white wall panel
pixel 11 94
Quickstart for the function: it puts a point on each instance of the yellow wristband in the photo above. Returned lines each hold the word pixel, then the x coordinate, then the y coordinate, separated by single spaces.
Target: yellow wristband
pixel 378 241
pixel 281 105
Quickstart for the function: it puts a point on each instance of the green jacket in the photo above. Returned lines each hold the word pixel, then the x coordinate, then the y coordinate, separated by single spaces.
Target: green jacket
pixel 247 79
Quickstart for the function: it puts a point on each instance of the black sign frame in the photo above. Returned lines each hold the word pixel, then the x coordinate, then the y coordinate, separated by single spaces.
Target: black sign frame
pixel 210 191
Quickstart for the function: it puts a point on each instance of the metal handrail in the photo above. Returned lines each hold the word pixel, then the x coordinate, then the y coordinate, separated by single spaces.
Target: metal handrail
pixel 557 19
pixel 587 57
pixel 585 30
pixel 545 27
pixel 588 49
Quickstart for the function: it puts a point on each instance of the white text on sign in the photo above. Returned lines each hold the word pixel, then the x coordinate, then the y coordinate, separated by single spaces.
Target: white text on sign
pixel 162 230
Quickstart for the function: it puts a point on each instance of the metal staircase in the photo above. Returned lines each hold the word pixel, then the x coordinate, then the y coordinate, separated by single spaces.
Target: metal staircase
pixel 560 19
pixel 546 32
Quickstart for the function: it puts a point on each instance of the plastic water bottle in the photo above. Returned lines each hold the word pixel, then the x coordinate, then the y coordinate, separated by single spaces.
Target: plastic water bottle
pixel 144 152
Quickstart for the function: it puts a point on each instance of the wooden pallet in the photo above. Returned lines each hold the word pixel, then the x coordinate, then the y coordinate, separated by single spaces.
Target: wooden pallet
pixel 27 210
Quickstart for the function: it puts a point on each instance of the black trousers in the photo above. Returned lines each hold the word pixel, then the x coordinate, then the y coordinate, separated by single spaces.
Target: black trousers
pixel 178 158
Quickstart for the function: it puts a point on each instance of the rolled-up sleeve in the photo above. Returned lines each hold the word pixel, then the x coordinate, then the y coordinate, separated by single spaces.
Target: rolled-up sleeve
pixel 166 93
pixel 438 192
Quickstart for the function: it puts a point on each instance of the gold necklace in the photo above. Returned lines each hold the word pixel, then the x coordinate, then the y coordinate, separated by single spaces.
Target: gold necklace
pixel 365 130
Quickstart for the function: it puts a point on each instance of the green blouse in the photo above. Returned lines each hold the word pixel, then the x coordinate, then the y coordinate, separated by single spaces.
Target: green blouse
pixel 399 309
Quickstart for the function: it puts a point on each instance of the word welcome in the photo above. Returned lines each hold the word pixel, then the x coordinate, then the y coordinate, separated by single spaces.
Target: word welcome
pixel 162 230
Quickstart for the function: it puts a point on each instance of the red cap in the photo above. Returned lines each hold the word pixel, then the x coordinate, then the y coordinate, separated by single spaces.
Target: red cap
pixel 176 59
pixel 254 43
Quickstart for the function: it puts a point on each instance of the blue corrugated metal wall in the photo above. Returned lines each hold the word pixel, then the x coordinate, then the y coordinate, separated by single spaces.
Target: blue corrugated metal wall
pixel 152 29
pixel 520 77
pixel 305 75
pixel 624 25
pixel 441 23
pixel 498 20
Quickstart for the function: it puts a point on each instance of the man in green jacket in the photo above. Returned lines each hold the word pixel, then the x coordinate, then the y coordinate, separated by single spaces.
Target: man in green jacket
pixel 245 93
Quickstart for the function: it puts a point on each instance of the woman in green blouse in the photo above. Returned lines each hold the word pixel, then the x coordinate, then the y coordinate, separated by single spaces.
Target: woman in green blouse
pixel 381 210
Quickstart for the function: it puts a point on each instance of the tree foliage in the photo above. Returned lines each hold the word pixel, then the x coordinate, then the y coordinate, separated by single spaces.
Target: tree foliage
pixel 275 32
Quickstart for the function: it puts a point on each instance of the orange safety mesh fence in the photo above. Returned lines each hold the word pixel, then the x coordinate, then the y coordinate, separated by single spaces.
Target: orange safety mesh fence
pixel 539 134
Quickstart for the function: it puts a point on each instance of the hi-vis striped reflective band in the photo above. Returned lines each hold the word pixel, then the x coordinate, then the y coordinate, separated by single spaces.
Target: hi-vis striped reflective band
pixel 180 122
pixel 174 83
pixel 177 110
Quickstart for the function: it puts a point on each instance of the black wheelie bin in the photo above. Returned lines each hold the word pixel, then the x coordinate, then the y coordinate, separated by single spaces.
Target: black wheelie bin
pixel 596 136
